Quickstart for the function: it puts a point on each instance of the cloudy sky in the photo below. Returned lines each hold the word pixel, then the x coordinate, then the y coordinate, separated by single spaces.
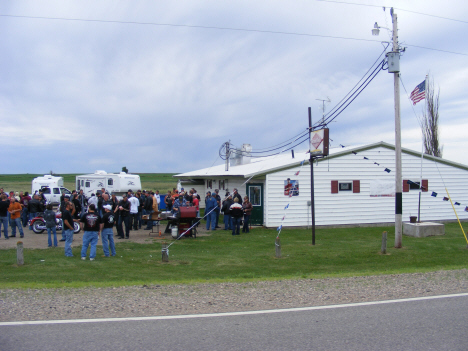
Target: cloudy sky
pixel 158 86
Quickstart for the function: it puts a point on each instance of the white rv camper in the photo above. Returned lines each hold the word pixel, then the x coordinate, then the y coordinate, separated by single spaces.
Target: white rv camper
pixel 114 183
pixel 51 186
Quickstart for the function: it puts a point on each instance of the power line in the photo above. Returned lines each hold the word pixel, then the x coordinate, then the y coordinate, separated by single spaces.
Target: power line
pixel 396 8
pixel 220 28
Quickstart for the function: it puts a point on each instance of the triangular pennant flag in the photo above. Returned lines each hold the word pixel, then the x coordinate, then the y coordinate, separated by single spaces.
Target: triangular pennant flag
pixel 286 206
pixel 297 173
pixel 445 198
pixel 279 228
pixel 375 163
pixel 282 219
pixel 365 158
pixel 457 203
pixel 434 194
pixel 354 152
pixel 466 209
pixel 302 162
pixel 387 170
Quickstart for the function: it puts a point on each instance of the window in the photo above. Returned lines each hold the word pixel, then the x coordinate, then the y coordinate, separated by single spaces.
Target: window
pixel 345 186
pixel 110 181
pixel 56 191
pixel 414 185
pixel 255 196
pixel 46 190
pixel 354 186
pixel 88 184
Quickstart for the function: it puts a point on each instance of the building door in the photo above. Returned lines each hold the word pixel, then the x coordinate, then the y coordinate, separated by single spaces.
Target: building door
pixel 255 194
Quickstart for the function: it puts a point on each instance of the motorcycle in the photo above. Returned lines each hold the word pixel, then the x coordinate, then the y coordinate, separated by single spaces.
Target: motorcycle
pixel 38 224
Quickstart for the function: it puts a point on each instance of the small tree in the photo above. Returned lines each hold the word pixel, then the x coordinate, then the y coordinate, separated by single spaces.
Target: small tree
pixel 429 122
pixel 124 169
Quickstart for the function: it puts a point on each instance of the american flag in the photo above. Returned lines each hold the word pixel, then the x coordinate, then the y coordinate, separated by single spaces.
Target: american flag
pixel 419 93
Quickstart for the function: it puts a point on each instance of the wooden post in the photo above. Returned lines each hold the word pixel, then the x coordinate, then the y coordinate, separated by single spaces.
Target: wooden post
pixel 278 248
pixel 384 243
pixel 19 253
pixel 165 252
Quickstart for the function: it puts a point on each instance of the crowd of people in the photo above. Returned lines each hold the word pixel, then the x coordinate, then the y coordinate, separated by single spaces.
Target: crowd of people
pixel 102 211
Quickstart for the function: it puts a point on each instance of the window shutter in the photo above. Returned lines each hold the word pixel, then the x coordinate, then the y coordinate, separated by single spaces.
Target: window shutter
pixel 334 187
pixel 356 186
pixel 425 184
pixel 405 185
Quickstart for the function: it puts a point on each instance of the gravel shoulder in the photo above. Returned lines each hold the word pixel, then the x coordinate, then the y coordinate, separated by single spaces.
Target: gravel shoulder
pixel 160 300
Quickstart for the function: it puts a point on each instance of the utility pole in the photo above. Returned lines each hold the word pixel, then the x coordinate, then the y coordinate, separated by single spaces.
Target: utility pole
pixel 393 59
pixel 398 175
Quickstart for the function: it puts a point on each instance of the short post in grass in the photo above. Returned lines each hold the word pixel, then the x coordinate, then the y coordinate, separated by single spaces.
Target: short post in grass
pixel 19 253
pixel 278 247
pixel 384 243
pixel 165 252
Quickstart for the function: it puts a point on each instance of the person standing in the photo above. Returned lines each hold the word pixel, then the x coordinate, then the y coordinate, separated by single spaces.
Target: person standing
pixel 15 217
pixel 134 203
pixel 124 217
pixel 4 204
pixel 227 212
pixel 91 225
pixel 210 205
pixel 25 214
pixel 107 233
pixel 237 195
pixel 236 214
pixel 34 206
pixel 158 198
pixel 247 208
pixel 149 210
pixel 51 225
pixel 196 204
pixel 218 209
pixel 168 201
pixel 68 228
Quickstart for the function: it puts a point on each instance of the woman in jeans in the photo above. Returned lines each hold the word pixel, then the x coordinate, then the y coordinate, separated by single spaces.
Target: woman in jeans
pixel 247 208
pixel 49 217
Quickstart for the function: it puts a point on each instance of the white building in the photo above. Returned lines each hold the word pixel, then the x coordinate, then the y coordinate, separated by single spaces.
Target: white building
pixel 353 186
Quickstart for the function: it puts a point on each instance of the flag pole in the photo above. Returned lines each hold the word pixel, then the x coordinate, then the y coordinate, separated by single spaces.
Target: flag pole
pixel 422 153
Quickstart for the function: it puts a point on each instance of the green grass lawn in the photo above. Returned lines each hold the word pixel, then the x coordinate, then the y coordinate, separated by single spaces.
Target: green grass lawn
pixel 150 181
pixel 223 257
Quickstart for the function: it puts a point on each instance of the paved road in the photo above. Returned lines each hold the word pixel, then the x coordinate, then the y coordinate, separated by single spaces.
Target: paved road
pixel 437 323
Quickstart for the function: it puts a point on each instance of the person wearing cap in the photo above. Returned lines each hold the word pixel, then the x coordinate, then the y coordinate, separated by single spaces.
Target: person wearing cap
pixel 179 202
pixel 107 233
pixel 210 214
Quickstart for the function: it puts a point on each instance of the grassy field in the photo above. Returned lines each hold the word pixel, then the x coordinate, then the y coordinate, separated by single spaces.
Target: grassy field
pixel 223 257
pixel 22 182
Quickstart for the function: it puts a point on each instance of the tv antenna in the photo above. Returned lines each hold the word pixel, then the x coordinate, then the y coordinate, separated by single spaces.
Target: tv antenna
pixel 323 107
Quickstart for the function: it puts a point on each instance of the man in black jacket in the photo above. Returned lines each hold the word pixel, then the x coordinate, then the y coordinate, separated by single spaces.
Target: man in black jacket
pixel 124 211
pixel 149 210
pixel 34 206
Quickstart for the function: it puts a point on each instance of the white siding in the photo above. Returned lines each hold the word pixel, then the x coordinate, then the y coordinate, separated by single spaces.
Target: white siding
pixel 361 208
